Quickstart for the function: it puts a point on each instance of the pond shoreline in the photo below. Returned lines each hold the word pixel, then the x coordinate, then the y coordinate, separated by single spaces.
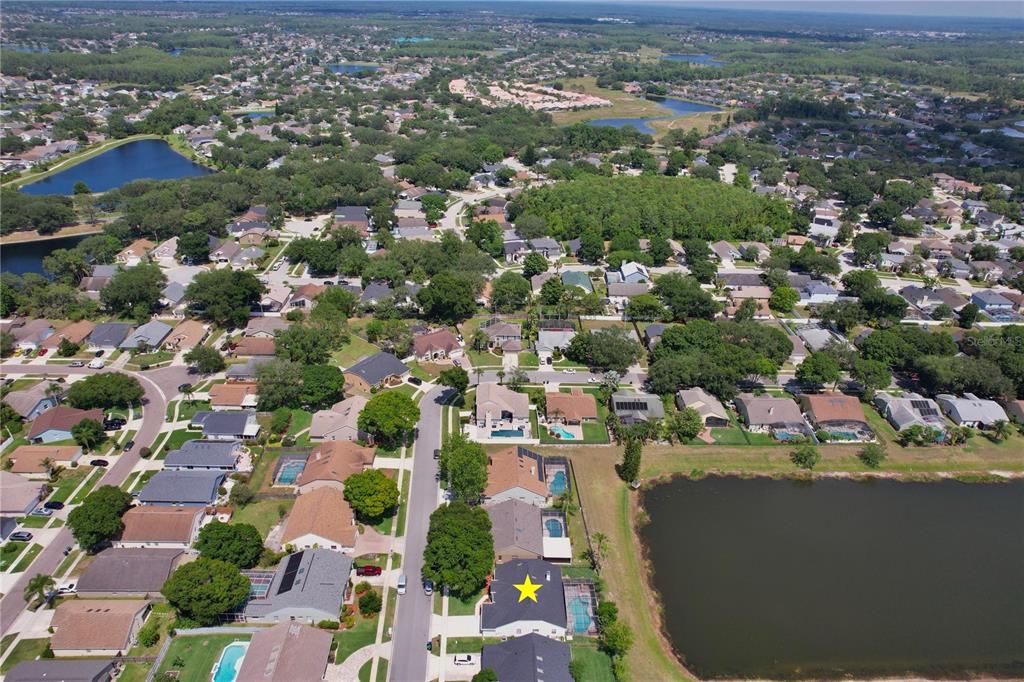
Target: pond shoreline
pixel 640 518
pixel 22 236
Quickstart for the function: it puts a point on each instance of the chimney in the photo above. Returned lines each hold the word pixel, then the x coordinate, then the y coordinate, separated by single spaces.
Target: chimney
pixel 547 577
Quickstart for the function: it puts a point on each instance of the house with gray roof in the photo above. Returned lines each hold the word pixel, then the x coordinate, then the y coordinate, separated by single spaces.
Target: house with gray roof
pixel 31 402
pixel 765 413
pixel 307 586
pixel 619 293
pixel 538 280
pixel 229 426
pixel 505 335
pixel 205 455
pixel 549 340
pixel 265 327
pixel 530 658
pixel 185 488
pixel 128 572
pixel 633 408
pixel 547 247
pixel 905 410
pixel 506 615
pixel 574 278
pixel 374 371
pixel 629 273
pixel 652 334
pixel 108 336
pixel 247 257
pixel 970 410
pixel 148 336
pixel 247 370
pixel 992 302
pixel 516 528
pixel 376 292
pixel 47 670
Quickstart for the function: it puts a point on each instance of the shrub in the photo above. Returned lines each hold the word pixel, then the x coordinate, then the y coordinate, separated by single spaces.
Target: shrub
pixel 145 452
pixel 363 588
pixel 149 635
pixel 872 455
pixel 370 604
pixel 349 621
pixel 328 625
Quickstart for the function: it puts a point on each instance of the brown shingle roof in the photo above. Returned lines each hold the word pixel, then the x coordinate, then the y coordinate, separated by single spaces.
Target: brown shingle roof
pixel 827 407
pixel 442 339
pixel 231 394
pixel 95 623
pixel 28 459
pixel 322 512
pixel 188 334
pixel 252 345
pixel 76 332
pixel 510 469
pixel 286 652
pixel 335 461
pixel 159 523
pixel 63 418
pixel 573 406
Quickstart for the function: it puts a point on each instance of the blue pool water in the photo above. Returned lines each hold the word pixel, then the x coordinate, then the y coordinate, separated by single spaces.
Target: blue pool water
pixel 562 432
pixel 290 471
pixel 675 107
pixel 507 433
pixel 351 68
pixel 558 483
pixel 230 661
pixel 554 527
pixel 579 609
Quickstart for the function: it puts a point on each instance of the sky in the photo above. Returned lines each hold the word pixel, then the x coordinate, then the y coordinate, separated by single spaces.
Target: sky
pixel 931 8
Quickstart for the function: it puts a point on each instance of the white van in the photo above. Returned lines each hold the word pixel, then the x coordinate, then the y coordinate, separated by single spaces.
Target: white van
pixel 97 364
pixel 401 584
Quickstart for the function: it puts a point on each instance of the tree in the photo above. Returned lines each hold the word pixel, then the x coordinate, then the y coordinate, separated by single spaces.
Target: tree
pixel 683 425
pixel 205 360
pixel 1001 431
pixel 67 348
pixel 302 344
pixel 783 299
pixel 225 297
pixel 370 603
pixel 871 374
pixel 88 433
pixel 241 495
pixel 534 264
pixel 239 544
pixel 818 369
pixel 193 247
pixel 203 589
pixel 456 378
pixel 629 469
pixel 968 315
pixel 488 675
pixel 591 246
pixel 389 416
pixel 684 297
pixel 279 384
pixel 645 307
pixel 134 291
pixel 859 282
pixel 464 467
pixel 806 456
pixel 616 638
pixel 105 391
pixel 517 378
pixel 38 587
pixel 551 291
pixel 322 386
pixel 447 298
pixel 371 493
pixel 460 549
pixel 510 292
pixel 872 455
pixel 487 236
pixel 606 349
pixel 98 519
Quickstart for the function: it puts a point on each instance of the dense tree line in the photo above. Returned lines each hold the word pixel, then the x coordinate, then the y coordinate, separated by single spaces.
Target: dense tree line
pixel 45 213
pixel 139 65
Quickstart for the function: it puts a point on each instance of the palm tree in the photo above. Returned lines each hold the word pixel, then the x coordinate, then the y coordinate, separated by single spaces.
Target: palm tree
pixel 49 466
pixel 1002 430
pixel 478 371
pixel 55 392
pixel 600 541
pixel 38 586
pixel 501 375
pixel 187 390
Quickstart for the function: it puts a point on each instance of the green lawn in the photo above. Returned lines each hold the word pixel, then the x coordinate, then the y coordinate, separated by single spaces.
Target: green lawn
pixel 163 615
pixel 134 672
pixel 301 420
pixel 529 360
pixel 65 565
pixel 26 559
pixel 468 645
pixel 349 641
pixel 264 514
pixel 176 439
pixel 403 505
pixel 33 521
pixel 94 478
pixel 23 651
pixel 188 408
pixel 150 359
pixel 10 552
pixel 728 436
pixel 483 358
pixel 597 665
pixel 463 607
pixel 382 670
pixel 6 642
pixel 364 672
pixel 193 658
pixel 69 480
pixel 354 351
pixel 263 469
pixel 418 371
pixel 383 451
pixel 407 389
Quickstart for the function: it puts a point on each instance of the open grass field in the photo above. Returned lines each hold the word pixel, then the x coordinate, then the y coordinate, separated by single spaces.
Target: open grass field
pixel 597 665
pixel 350 641
pixel 623 105
pixel 264 514
pixel 354 351
pixel 196 655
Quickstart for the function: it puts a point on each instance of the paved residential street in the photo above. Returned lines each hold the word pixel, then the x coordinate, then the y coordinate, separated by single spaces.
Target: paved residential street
pixel 412 618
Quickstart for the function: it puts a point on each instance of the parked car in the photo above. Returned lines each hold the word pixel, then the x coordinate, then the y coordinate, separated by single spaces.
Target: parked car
pixel 593 380
pixel 21 536
pixel 428 587
pixel 129 445
pixel 99 354
pixel 463 659
pixel 457 362
pixel 42 352
pixel 53 504
pixel 42 511
pixel 69 588
pixel 76 363
pixel 415 381
pixel 97 364
pixel 437 454
pixel 368 570
pixel 99 463
pixel 113 424
pixel 568 370
pixel 277 266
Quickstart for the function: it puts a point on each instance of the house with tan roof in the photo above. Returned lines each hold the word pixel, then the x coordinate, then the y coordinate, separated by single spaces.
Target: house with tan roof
pixel 710 409
pixel 255 346
pixel 330 463
pixel 135 253
pixel 57 422
pixel 501 407
pixel 764 413
pixel 159 525
pixel 838 414
pixel 186 336
pixel 76 333
pixel 341 422
pixel 31 402
pixel 235 395
pixel 436 345
pixel 30 460
pixel 266 327
pixel 321 519
pixel 305 296
pixel 31 335
pixel 18 495
pixel 97 627
pixel 516 474
pixel 574 407
pixel 286 652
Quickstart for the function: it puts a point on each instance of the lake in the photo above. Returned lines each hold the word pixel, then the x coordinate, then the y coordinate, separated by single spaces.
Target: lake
pixel 702 59
pixel 766 578
pixel 351 68
pixel 24 257
pixel 677 107
pixel 152 159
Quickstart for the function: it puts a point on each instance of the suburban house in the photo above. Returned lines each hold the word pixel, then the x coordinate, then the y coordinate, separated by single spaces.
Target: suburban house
pixel 246 371
pixel 321 518
pixel 31 402
pixel 130 572
pixel 164 526
pixel 135 253
pixel 57 422
pixel 516 474
pixel 166 253
pixel 172 298
pixel 529 658
pixel 547 247
pixel 223 252
pixel 633 408
pixel 574 407
pixel 286 652
pixel 330 463
pixel 205 455
pixel 652 334
pixel 725 252
pixel 1015 410
pixel 341 422
pixel 108 336
pixel 930 299
pixel 620 293
pixel 818 293
pixel 184 488
pixel 186 336
pixel 236 395
pixel 574 278
pixel 147 337
pixel 521 531
pixel 307 586
pixel 970 410
pixel 508 336
pixel 233 425
pixel 18 495
pixel 910 409
pixel 352 216
pixel 710 409
pixel 375 371
pixel 628 273
pixel 275 298
pixel 505 614
pixel 96 627
pixel 500 407
pixel 550 339
pixel 43 670
pixel 992 302
pixel 31 460
pixel 31 335
pixel 765 413
pixel 265 327
pixel 254 346
pixel 436 345
pixel 837 413
pixel 305 296
pixel 374 293
pixel 76 333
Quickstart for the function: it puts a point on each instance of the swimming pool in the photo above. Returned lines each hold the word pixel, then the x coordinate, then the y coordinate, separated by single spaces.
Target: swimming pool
pixel 227 667
pixel 554 527
pixel 558 483
pixel 561 432
pixel 579 612
pixel 507 433
pixel 290 471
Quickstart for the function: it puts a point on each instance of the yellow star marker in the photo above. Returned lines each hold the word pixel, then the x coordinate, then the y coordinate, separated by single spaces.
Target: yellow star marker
pixel 528 589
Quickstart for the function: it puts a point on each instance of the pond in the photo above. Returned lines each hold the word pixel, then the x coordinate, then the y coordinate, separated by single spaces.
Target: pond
pixel 786 579
pixel 25 257
pixel 702 59
pixel 352 68
pixel 152 159
pixel 675 107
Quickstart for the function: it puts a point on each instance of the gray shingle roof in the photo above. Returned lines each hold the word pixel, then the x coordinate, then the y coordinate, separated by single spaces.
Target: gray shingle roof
pixel 109 334
pixel 530 658
pixel 377 368
pixel 203 453
pixel 222 423
pixel 517 524
pixel 61 671
pixel 246 370
pixel 182 487
pixel 506 607
pixel 309 582
pixel 151 334
pixel 131 571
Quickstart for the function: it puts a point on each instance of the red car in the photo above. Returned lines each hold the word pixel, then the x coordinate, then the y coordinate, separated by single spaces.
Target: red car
pixel 42 351
pixel 368 570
